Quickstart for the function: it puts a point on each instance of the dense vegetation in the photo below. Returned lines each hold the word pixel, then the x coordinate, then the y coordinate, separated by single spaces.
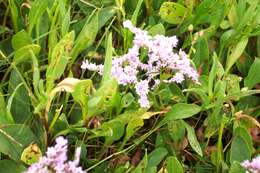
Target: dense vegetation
pixel 203 126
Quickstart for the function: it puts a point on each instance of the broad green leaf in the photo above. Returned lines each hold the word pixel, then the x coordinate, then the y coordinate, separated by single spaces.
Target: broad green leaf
pixel 253 76
pixel 87 36
pixel 116 129
pixel 59 60
pixel 9 166
pixel 233 85
pixel 181 111
pixel 244 133
pixel 241 146
pixel 173 165
pixel 105 14
pixel 20 104
pixel 108 60
pixel 193 139
pixel 178 95
pixel 24 54
pixel 102 98
pixel 81 89
pixel 202 93
pixel 127 100
pixel 176 130
pixel 36 12
pixel 157 29
pixel 133 125
pixel 243 64
pixel 236 168
pixel 239 150
pixel 13 138
pixel 81 94
pixel 21 39
pixel 202 53
pixel 236 52
pixel 172 12
pixel 155 157
pixel 226 37
pixel 206 13
pixel 151 169
pixel 5 116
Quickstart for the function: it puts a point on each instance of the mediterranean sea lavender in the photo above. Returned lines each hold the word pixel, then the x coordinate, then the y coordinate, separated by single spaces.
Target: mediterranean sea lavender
pixel 55 160
pixel 252 166
pixel 126 68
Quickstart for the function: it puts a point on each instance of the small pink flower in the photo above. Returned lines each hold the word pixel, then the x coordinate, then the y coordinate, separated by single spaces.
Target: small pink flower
pixel 125 69
pixel 56 160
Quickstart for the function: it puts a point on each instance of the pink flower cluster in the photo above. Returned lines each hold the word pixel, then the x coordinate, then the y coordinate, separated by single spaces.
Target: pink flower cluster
pixel 56 160
pixel 127 68
pixel 252 166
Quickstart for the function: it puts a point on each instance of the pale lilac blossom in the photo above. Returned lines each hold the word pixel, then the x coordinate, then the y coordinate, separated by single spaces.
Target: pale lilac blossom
pixel 126 69
pixel 56 160
pixel 252 166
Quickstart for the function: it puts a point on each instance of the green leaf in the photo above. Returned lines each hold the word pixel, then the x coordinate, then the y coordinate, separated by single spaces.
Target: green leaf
pixel 181 111
pixel 149 162
pixel 176 130
pixel 202 52
pixel 20 104
pixel 236 52
pixel 81 89
pixel 87 36
pixel 21 39
pixel 233 83
pixel 136 12
pixel 155 157
pixel 15 15
pixel 236 168
pixel 241 146
pixel 9 166
pixel 193 139
pixel 13 138
pixel 173 165
pixel 36 12
pixel 253 77
pixel 105 14
pixel 81 93
pixel 108 60
pixel 102 98
pixel 116 129
pixel 59 60
pixel 36 73
pixel 65 23
pixel 5 116
pixel 127 100
pixel 172 12
pixel 133 125
pixel 22 54
pixel 157 29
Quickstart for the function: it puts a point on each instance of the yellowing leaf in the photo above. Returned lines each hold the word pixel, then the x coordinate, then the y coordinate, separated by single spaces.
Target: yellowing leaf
pixel 31 154
pixel 172 12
